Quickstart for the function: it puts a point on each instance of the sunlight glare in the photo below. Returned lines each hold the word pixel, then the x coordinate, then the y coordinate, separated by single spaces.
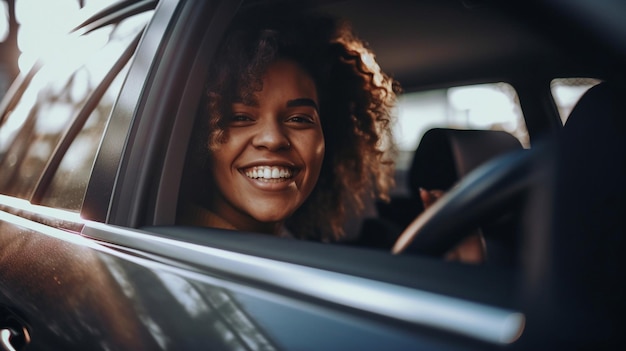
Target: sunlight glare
pixel 41 30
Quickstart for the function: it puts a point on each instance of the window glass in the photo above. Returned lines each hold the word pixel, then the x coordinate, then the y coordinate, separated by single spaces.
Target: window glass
pixel 53 99
pixel 485 106
pixel 4 21
pixel 567 91
pixel 69 183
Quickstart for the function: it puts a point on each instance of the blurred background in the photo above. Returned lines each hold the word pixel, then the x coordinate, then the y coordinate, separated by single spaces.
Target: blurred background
pixel 31 27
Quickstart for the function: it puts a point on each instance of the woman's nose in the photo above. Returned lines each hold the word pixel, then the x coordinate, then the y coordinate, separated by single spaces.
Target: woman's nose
pixel 271 136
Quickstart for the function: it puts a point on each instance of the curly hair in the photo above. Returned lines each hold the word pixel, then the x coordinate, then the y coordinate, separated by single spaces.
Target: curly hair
pixel 355 98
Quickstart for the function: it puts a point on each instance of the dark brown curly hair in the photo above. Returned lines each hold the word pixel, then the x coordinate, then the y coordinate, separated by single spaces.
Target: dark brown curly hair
pixel 355 99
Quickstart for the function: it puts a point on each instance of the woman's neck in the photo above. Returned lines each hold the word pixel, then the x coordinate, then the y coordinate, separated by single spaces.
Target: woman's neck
pixel 239 221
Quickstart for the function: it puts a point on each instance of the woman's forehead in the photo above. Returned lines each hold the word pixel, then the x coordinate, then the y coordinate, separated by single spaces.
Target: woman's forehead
pixel 287 75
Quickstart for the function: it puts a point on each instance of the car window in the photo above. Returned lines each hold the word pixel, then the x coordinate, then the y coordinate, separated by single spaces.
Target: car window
pixel 58 103
pixel 567 91
pixel 493 106
pixel 67 187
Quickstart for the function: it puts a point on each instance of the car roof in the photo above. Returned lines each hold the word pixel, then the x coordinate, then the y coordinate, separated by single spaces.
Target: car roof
pixel 425 43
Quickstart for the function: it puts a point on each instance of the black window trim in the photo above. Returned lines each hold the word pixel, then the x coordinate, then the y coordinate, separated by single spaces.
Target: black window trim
pixel 165 203
pixel 98 197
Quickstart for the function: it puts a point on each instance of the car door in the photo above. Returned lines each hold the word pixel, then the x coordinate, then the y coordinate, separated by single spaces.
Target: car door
pixel 143 207
pixel 90 257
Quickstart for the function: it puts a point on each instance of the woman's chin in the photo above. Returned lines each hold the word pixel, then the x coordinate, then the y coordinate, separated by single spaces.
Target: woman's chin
pixel 270 218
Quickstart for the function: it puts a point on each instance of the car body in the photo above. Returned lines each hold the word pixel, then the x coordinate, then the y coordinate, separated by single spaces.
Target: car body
pixel 93 156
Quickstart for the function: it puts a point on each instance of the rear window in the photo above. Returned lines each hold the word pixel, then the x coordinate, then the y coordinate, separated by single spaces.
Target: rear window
pixel 485 106
pixel 567 91
pixel 493 106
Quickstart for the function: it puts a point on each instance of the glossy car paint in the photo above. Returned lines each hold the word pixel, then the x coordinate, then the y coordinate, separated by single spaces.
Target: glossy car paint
pixel 147 291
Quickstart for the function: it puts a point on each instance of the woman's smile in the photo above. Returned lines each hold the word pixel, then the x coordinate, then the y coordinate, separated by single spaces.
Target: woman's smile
pixel 271 177
pixel 269 173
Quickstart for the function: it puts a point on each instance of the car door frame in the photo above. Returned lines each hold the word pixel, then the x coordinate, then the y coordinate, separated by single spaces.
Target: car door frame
pixel 139 165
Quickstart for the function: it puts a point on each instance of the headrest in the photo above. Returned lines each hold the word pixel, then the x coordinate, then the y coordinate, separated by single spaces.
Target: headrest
pixel 599 103
pixel 586 224
pixel 446 155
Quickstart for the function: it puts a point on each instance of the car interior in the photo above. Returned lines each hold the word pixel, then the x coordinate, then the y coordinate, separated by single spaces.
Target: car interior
pixel 524 194
pixel 468 43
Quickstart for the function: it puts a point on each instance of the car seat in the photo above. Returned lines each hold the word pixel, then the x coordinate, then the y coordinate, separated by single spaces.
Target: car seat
pixel 580 298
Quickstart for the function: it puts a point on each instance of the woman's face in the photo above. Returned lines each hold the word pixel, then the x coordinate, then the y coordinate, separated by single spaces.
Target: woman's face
pixel 273 153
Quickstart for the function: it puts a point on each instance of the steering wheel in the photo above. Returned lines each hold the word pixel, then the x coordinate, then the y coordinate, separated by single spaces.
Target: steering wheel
pixel 483 193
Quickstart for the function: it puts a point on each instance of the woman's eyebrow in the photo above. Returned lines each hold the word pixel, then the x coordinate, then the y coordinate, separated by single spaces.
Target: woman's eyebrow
pixel 303 102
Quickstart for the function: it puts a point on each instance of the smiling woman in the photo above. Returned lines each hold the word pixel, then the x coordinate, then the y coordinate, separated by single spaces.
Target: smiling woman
pixel 273 156
pixel 296 131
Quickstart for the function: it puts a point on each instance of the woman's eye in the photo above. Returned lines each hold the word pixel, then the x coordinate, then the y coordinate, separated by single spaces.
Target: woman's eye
pixel 240 118
pixel 301 119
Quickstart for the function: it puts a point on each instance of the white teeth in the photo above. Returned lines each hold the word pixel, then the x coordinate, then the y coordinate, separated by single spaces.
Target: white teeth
pixel 267 172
